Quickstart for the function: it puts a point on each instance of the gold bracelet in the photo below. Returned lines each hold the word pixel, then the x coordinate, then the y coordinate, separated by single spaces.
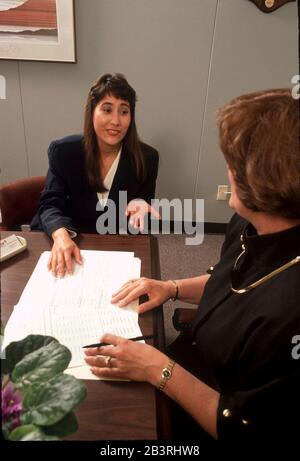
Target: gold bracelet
pixel 166 374
pixel 174 298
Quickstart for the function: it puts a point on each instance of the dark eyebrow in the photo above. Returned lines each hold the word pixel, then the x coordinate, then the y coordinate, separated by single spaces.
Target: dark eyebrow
pixel 125 104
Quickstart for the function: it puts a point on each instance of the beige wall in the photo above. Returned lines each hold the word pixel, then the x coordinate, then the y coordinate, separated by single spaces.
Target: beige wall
pixel 184 58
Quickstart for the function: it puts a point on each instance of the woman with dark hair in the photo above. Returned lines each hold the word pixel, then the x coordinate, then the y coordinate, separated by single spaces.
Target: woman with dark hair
pixel 235 377
pixel 106 167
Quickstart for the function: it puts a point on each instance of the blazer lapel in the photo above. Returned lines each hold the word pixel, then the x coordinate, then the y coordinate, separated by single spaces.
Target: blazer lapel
pixel 123 177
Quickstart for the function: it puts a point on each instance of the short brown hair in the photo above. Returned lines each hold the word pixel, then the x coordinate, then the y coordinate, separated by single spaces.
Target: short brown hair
pixel 259 137
pixel 117 86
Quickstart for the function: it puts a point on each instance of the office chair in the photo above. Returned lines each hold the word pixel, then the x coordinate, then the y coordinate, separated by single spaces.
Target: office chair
pixel 19 202
pixel 183 319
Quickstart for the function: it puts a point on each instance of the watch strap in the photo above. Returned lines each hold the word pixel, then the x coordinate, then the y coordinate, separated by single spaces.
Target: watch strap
pixel 175 297
pixel 166 374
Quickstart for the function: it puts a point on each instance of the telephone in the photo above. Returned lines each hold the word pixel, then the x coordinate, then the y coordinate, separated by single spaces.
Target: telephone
pixel 11 245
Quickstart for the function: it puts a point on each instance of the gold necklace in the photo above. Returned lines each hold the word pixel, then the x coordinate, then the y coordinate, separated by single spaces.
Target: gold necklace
pixel 267 277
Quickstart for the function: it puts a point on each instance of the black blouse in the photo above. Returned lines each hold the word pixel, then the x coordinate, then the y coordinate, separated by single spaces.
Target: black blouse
pixel 245 341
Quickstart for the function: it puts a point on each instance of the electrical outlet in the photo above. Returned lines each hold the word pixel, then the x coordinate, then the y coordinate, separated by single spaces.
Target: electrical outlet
pixel 223 192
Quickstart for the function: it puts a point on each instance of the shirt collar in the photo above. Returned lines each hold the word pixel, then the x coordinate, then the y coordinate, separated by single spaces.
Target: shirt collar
pixel 271 249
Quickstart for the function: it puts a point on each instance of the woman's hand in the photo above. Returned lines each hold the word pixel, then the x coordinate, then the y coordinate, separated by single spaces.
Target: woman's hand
pixel 63 250
pixel 136 210
pixel 128 359
pixel 158 292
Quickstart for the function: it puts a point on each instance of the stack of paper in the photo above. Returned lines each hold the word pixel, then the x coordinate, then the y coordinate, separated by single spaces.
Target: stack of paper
pixel 76 309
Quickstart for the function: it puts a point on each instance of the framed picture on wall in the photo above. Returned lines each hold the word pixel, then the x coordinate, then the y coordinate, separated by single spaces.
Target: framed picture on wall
pixel 37 30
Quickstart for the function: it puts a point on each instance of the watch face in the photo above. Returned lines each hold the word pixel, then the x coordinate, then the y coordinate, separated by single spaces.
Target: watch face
pixel 166 373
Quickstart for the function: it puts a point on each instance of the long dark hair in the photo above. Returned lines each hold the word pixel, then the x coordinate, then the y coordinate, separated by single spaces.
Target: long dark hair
pixel 117 86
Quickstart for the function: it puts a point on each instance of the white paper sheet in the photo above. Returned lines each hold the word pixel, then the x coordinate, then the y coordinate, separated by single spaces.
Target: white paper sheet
pixel 76 309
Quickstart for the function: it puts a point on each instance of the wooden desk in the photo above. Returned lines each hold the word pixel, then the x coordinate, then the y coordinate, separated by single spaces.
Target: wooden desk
pixel 111 410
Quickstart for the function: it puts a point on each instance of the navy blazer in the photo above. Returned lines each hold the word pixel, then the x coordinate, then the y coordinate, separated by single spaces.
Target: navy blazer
pixel 69 201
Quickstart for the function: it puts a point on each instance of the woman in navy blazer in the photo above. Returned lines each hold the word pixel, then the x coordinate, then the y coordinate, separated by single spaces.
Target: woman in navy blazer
pixel 80 165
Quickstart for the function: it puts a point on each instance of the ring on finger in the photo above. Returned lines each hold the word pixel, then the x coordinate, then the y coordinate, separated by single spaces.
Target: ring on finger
pixel 108 361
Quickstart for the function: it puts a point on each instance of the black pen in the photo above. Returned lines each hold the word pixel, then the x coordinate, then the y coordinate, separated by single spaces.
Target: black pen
pixel 138 338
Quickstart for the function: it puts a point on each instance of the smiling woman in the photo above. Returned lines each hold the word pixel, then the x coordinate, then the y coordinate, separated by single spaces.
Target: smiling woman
pixel 110 119
pixel 85 171
pixel 111 122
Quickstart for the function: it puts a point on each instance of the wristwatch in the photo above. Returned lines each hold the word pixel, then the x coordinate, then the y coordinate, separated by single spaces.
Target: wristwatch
pixel 166 374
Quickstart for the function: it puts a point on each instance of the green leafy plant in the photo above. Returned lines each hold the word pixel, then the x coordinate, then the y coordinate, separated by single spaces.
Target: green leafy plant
pixel 38 399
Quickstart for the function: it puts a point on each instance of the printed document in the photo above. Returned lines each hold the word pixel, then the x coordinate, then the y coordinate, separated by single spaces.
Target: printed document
pixel 76 309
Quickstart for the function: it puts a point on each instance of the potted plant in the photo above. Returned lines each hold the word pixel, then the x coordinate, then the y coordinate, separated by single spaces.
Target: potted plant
pixel 38 399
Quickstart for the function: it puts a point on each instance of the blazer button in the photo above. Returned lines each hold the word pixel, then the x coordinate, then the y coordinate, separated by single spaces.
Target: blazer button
pixel 227 413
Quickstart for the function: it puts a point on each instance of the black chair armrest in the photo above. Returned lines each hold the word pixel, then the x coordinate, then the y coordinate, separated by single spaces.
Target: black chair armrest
pixel 183 319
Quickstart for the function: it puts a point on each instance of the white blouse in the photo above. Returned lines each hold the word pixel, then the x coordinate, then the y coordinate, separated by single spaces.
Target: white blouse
pixel 108 180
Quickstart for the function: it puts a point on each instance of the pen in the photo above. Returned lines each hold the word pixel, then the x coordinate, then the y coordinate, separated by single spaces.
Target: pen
pixel 138 338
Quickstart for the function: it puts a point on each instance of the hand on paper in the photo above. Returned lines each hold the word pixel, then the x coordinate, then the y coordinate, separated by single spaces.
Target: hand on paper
pixel 63 251
pixel 130 360
pixel 157 291
pixel 136 210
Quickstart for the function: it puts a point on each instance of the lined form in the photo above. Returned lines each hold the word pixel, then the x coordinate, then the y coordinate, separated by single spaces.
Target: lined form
pixel 76 309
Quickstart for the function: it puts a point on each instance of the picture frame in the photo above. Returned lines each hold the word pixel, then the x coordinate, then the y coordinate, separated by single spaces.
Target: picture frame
pixel 37 30
pixel 268 6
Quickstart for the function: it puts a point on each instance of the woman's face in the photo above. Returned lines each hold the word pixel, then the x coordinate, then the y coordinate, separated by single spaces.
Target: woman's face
pixel 111 120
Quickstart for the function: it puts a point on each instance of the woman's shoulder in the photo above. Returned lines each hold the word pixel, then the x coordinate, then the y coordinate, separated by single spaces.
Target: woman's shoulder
pixel 67 147
pixel 149 151
pixel 68 142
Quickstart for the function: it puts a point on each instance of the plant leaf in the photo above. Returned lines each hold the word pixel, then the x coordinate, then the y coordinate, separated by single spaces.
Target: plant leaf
pixel 16 350
pixel 66 426
pixel 29 432
pixel 46 403
pixel 41 365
